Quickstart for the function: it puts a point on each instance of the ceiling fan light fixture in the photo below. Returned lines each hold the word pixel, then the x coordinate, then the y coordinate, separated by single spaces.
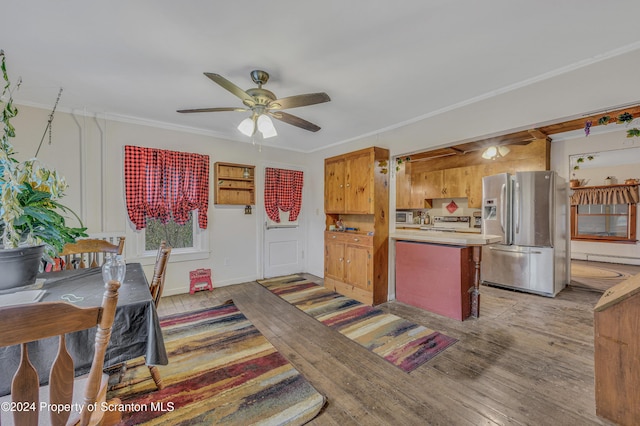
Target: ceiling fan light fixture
pixel 493 152
pixel 247 127
pixel 266 127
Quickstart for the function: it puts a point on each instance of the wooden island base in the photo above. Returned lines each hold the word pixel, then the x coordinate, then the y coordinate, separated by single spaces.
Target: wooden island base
pixel 440 271
pixel 434 277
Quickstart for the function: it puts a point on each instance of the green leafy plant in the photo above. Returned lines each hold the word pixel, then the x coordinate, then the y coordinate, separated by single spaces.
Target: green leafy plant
pixel 625 117
pixel 635 132
pixel 400 160
pixel 30 213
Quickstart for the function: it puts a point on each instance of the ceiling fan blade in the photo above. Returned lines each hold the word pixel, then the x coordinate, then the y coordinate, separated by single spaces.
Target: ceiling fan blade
pixel 295 121
pixel 213 109
pixel 246 98
pixel 299 101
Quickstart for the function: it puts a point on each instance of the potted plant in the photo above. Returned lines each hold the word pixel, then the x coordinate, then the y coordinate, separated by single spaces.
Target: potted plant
pixel 32 226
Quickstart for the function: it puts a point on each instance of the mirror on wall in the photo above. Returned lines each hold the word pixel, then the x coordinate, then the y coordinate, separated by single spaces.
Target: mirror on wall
pixel 605 167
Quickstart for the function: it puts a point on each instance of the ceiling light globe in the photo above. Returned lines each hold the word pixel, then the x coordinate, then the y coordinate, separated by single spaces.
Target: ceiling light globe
pixel 247 127
pixel 266 127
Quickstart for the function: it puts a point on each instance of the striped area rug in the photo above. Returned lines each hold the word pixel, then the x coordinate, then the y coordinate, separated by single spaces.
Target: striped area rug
pixel 403 343
pixel 221 371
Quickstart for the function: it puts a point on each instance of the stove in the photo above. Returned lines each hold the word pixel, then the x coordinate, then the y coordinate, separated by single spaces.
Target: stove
pixel 450 223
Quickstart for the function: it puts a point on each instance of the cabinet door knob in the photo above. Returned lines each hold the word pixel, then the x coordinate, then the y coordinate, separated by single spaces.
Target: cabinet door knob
pixel 356 239
pixel 348 260
pixel 341 185
pixel 348 185
pixel 340 259
pixel 333 236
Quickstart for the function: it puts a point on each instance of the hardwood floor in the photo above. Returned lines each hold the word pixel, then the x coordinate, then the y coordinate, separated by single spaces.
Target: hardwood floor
pixel 599 276
pixel 528 360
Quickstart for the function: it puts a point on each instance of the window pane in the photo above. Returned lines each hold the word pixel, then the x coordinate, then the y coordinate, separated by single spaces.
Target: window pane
pixel 177 236
pixel 619 208
pixel 591 225
pixel 603 226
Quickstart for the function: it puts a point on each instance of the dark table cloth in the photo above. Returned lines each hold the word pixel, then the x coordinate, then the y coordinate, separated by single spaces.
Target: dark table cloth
pixel 136 329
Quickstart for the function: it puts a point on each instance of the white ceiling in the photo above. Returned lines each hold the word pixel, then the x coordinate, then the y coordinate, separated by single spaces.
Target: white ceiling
pixel 383 63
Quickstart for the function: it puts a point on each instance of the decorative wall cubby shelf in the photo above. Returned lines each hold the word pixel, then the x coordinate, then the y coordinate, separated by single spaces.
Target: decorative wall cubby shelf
pixel 234 184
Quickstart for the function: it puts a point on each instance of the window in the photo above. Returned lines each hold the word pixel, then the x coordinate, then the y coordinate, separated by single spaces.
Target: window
pixel 170 187
pixel 603 222
pixel 176 235
pixel 188 241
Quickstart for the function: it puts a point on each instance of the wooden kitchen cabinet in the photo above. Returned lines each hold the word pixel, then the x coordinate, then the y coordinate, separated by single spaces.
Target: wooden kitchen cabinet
pixel 476 173
pixel 357 192
pixel 408 193
pixel 456 182
pixel 349 265
pixel 349 183
pixel 428 185
pixel 234 184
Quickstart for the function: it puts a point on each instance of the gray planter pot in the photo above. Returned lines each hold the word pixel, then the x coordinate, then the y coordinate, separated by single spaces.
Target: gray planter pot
pixel 20 266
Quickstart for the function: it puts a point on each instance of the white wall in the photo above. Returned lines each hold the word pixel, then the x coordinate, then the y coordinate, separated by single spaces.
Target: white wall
pixel 84 148
pixel 615 140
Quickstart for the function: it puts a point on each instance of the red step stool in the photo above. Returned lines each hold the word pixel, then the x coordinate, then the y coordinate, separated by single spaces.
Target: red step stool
pixel 200 280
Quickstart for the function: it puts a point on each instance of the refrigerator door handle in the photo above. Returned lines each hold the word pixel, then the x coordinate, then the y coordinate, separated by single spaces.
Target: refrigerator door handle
pixel 503 210
pixel 512 250
pixel 516 207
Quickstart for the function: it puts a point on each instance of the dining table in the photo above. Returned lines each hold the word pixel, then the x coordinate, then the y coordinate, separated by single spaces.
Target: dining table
pixel 135 333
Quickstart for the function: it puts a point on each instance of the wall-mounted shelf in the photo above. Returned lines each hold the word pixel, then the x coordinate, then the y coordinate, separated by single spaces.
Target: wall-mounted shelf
pixel 234 184
pixel 616 185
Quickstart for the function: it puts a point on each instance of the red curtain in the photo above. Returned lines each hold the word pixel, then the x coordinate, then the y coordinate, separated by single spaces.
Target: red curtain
pixel 160 184
pixel 282 191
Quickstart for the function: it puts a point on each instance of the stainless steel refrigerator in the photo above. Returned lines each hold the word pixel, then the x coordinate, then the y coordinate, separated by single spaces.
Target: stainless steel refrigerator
pixel 529 211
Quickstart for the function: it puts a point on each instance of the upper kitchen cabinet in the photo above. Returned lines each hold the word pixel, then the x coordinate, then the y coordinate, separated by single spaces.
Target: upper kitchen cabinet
pixel 430 184
pixel 350 181
pixel 409 193
pixel 334 174
pixel 449 183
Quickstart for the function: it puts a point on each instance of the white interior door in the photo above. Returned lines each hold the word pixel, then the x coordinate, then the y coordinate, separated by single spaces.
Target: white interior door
pixel 283 246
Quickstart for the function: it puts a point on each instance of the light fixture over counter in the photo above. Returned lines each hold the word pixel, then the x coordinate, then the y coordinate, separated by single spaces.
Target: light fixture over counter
pixel 494 152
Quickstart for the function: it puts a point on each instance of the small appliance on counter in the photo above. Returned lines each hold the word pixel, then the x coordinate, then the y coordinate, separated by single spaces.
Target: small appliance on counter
pixel 404 217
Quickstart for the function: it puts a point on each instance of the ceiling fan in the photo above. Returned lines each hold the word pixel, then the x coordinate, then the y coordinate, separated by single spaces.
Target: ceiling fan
pixel 263 104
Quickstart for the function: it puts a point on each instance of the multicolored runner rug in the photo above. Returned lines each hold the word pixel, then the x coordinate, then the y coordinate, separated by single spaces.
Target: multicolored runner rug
pixel 221 371
pixel 401 342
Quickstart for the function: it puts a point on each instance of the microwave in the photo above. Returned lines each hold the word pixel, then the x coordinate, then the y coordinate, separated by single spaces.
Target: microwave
pixel 404 217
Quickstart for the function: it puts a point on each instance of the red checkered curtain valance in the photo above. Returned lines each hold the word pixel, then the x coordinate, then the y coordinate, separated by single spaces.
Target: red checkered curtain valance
pixel 282 191
pixel 162 184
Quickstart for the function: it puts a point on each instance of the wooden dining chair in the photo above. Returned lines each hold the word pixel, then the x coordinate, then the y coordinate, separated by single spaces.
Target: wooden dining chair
pixel 157 282
pixel 89 253
pixel 36 321
pixel 155 288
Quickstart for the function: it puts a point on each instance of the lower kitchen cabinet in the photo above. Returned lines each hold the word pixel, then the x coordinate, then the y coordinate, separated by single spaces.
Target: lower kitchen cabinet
pixel 349 265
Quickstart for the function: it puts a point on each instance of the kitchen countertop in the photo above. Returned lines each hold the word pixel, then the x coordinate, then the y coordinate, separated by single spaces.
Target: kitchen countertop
pixel 455 238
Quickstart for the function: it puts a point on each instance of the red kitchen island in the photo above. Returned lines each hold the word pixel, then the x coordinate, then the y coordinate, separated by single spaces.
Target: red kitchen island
pixel 439 271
